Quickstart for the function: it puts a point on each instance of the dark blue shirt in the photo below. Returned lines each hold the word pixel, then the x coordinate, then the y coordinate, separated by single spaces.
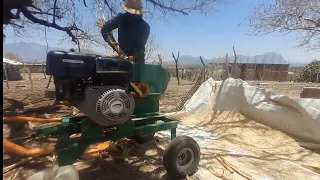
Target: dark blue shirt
pixel 133 33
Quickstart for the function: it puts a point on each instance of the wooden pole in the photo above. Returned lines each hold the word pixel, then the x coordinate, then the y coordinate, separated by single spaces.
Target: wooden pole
pixel 33 65
pixel 204 70
pixel 160 60
pixel 226 68
pixel 43 71
pixel 29 74
pixel 176 61
pixel 49 82
pixel 234 63
pixel 6 74
pixel 195 75
pixel 204 65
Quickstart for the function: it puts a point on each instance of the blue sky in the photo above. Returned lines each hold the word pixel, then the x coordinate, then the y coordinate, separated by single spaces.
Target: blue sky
pixel 209 36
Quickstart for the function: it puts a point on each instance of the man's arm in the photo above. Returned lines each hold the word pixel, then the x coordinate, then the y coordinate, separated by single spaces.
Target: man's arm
pixel 143 41
pixel 107 29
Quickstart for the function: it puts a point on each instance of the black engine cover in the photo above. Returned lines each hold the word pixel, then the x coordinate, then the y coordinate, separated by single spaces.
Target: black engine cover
pixel 70 64
pixel 109 71
pixel 112 71
pixel 73 72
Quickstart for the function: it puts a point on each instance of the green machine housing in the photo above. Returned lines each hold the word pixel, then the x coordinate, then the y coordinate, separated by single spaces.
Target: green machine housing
pixel 157 79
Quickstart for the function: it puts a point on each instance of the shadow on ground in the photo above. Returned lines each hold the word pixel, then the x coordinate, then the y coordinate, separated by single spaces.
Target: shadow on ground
pixel 142 167
pixel 138 168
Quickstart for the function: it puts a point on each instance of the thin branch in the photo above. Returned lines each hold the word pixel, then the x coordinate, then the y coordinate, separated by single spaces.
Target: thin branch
pixel 167 7
pixel 17 15
pixel 84 2
pixel 289 16
pixel 54 11
pixel 31 9
pixel 110 8
pixel 17 25
pixel 44 13
pixel 33 6
pixel 68 30
pixel 56 8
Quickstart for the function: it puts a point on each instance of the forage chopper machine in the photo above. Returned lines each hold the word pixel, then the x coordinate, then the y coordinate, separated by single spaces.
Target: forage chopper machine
pixel 119 100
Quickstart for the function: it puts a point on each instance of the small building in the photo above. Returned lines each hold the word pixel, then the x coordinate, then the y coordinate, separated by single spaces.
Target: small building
pixel 11 70
pixel 34 68
pixel 262 72
pixel 261 68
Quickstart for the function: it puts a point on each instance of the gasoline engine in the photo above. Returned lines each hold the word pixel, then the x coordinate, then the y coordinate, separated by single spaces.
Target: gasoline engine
pixel 98 86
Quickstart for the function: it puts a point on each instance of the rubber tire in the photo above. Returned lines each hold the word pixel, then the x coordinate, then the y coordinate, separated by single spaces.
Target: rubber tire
pixel 171 153
pixel 143 139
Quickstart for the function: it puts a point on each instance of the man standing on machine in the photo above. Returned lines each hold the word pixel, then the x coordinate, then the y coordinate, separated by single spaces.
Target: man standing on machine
pixel 133 31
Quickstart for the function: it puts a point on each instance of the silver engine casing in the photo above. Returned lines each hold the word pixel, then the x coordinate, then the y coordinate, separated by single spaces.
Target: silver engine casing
pixel 107 105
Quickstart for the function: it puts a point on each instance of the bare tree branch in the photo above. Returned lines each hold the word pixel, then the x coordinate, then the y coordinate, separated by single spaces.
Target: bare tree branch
pixel 289 16
pixel 38 12
pixel 54 11
pixel 84 2
pixel 151 48
pixel 162 6
pixel 68 30
pixel 113 11
pixel 45 13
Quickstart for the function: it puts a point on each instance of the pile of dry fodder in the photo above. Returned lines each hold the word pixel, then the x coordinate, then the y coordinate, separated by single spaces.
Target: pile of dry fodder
pixel 256 150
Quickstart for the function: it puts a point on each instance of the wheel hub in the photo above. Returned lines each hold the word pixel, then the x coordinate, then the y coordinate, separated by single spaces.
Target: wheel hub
pixel 185 158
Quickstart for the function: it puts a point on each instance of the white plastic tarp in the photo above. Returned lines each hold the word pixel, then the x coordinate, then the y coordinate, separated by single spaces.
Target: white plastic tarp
pixel 9 61
pixel 300 118
pixel 201 98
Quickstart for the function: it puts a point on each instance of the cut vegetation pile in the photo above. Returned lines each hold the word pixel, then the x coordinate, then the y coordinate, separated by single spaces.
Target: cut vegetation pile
pixel 256 150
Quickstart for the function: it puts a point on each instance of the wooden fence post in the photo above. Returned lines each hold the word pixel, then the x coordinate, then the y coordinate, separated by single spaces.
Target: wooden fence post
pixel 6 74
pixel 176 61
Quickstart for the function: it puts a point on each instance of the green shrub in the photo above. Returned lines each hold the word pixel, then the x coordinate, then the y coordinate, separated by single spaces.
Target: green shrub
pixel 311 73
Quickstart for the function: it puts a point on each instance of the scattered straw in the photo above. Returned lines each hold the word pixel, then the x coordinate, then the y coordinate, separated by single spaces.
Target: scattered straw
pixel 253 148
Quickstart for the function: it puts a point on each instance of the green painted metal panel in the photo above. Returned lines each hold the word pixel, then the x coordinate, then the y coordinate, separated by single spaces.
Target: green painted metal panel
pixel 157 78
pixel 154 75
pixel 149 104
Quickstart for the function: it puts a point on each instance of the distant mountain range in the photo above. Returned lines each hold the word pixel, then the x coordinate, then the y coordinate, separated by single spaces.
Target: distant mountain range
pixel 266 58
pixel 28 51
pixel 32 51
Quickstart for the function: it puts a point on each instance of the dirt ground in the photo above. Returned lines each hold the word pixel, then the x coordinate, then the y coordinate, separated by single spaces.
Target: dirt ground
pixel 20 99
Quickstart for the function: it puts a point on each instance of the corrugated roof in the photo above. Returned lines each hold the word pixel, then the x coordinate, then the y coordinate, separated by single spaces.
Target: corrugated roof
pixel 37 64
pixel 9 61
pixel 266 58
